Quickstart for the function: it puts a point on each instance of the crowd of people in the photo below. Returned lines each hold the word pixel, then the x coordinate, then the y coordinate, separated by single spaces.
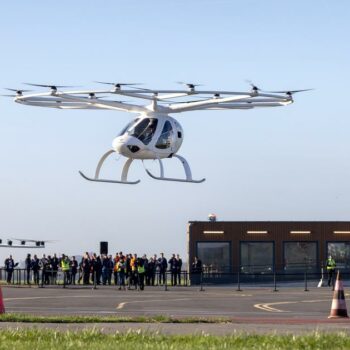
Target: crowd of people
pixel 126 271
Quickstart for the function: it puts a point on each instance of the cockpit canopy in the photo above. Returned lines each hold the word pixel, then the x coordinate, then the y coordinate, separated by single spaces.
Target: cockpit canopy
pixel 141 128
pixel 144 129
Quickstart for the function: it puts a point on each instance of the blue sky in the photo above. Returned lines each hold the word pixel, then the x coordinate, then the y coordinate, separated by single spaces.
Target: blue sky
pixel 289 163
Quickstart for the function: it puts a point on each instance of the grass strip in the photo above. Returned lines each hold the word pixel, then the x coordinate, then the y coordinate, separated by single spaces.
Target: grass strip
pixel 27 318
pixel 92 339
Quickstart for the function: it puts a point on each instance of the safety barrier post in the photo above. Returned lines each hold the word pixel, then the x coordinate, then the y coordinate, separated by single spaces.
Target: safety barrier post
pixel 64 279
pixel 201 282
pixel 95 281
pixel 166 282
pixel 274 282
pixel 305 280
pixel 42 279
pixel 239 280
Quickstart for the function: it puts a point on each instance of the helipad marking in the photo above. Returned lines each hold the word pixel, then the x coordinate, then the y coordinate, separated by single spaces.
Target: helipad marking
pixel 121 305
pixel 269 308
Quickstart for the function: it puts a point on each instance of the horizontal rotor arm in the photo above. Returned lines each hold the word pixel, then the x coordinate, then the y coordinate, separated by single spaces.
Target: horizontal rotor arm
pixel 238 105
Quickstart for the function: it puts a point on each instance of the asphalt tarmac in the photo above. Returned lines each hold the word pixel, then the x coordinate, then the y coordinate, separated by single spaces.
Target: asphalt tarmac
pixel 257 310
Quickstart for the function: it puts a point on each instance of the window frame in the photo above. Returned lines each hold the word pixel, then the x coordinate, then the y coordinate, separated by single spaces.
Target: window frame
pixel 273 254
pixel 284 253
pixel 229 251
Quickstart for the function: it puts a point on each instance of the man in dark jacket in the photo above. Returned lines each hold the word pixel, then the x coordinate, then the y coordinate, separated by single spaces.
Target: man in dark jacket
pixel 86 268
pixel 179 268
pixel 28 265
pixel 9 267
pixel 163 266
pixel 74 269
pixel 173 269
pixel 36 269
pixel 54 262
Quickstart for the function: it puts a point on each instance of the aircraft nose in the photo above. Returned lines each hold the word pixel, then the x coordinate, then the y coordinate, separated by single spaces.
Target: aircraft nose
pixel 126 146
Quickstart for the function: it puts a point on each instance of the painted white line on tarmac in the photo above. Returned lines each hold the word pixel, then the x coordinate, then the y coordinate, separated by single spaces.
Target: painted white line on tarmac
pixel 268 306
pixel 121 305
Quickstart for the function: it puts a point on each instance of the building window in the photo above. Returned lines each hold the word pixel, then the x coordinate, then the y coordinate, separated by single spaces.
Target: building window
pixel 340 252
pixel 300 256
pixel 215 256
pixel 257 257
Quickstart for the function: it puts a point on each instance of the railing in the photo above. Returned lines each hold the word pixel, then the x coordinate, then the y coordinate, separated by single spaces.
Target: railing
pixel 95 278
pixel 47 278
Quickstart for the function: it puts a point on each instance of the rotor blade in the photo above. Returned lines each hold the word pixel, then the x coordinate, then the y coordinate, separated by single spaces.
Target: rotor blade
pixel 254 87
pixel 289 91
pixel 9 95
pixel 190 85
pixel 17 90
pixel 117 84
pixel 51 86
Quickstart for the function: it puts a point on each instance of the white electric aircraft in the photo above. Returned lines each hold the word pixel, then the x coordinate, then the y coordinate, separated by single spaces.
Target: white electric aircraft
pixel 152 134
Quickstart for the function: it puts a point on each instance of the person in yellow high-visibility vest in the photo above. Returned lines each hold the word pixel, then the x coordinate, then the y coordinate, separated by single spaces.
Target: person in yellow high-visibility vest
pixel 141 273
pixel 330 264
pixel 121 267
pixel 65 267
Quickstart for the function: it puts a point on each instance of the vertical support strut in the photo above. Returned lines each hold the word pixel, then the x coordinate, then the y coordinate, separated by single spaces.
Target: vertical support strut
pixel 186 167
pixel 125 171
pixel 99 165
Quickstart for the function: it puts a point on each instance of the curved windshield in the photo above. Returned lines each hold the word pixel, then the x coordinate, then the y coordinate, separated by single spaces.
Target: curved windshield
pixel 128 126
pixel 144 130
pixel 165 137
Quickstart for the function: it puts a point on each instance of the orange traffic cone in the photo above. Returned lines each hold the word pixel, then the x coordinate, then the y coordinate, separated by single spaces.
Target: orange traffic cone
pixel 338 304
pixel 2 306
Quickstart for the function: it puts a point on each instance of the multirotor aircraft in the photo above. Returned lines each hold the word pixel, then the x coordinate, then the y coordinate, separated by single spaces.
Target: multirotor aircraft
pixel 153 133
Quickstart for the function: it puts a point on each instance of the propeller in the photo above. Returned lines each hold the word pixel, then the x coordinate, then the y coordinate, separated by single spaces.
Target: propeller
pixel 254 87
pixel 191 86
pixel 52 87
pixel 93 95
pixel 289 92
pixel 17 91
pixel 117 85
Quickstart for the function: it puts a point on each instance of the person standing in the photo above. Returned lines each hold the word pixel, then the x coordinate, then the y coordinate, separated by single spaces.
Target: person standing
pixel 197 270
pixel 115 269
pixel 133 280
pixel 331 265
pixel 28 265
pixel 65 267
pixel 9 267
pixel 163 266
pixel 121 268
pixel 141 273
pixel 54 267
pixel 86 268
pixel 110 269
pixel 74 269
pixel 36 269
pixel 151 272
pixel 179 268
pixel 173 269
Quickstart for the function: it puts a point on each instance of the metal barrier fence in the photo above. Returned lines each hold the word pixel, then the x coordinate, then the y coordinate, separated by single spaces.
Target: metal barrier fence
pixel 61 278
pixel 66 279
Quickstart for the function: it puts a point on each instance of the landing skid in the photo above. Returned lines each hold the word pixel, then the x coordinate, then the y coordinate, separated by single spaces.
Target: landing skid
pixel 124 176
pixel 186 168
pixel 109 181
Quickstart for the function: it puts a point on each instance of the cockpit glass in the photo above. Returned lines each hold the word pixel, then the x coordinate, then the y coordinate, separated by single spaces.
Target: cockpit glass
pixel 144 129
pixel 127 127
pixel 164 140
